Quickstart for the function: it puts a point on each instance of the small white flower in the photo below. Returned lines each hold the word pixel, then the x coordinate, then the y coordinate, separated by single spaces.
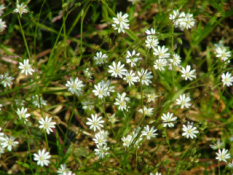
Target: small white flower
pixel 174 16
pixel 222 155
pixel 95 122
pixel 75 86
pixel 88 73
pixel 22 113
pixel 227 79
pixel 156 173
pixel 8 142
pixel 147 111
pixel 189 131
pixel 145 76
pixel 120 23
pixel 160 64
pixel 100 91
pixel 100 58
pixel 186 22
pixel 151 43
pixel 88 104
pixel 46 124
pixel 21 8
pixel 63 169
pixel 151 33
pixel 217 145
pixel 149 133
pixel 168 120
pixel 151 97
pixel 26 67
pixel 132 58
pixel 6 80
pixel 112 119
pixel 2 25
pixel 2 7
pixel 176 60
pixel 187 73
pixel 101 137
pixel 42 157
pixel 161 52
pixel 101 151
pixel 38 101
pixel 109 87
pixel 121 101
pixel 131 78
pixel 127 140
pixel 183 101
pixel 117 69
pixel 222 53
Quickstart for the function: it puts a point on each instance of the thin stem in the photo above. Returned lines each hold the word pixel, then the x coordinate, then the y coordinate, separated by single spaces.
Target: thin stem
pixel 24 39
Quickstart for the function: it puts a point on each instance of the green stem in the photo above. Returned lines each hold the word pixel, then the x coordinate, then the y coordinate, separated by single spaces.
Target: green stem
pixel 24 39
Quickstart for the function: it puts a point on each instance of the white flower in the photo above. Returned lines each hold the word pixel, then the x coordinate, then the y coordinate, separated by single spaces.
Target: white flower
pixel 0 107
pixel 161 52
pixel 26 67
pixel 2 25
pixel 1 134
pixel 63 169
pixel 186 22
pixel 42 157
pixel 109 88
pixel 183 101
pixel 120 23
pixel 160 64
pixel 227 79
pixel 149 133
pixel 132 58
pixel 117 69
pixel 222 53
pixel 151 33
pixel 230 164
pixel 75 86
pixel 131 78
pixel 151 43
pixel 38 101
pixel 21 8
pixel 22 113
pixel 101 150
pixel 176 60
pixel 217 145
pixel 174 16
pixel 100 58
pixel 6 80
pixel 168 120
pixel 145 76
pixel 100 91
pixel 155 173
pixel 46 124
pixel 2 7
pixel 147 111
pixel 88 104
pixel 88 73
pixel 69 173
pixel 112 119
pixel 8 142
pixel 95 122
pixel 127 140
pixel 187 73
pixel 151 97
pixel 189 131
pixel 101 137
pixel 121 101
pixel 222 155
